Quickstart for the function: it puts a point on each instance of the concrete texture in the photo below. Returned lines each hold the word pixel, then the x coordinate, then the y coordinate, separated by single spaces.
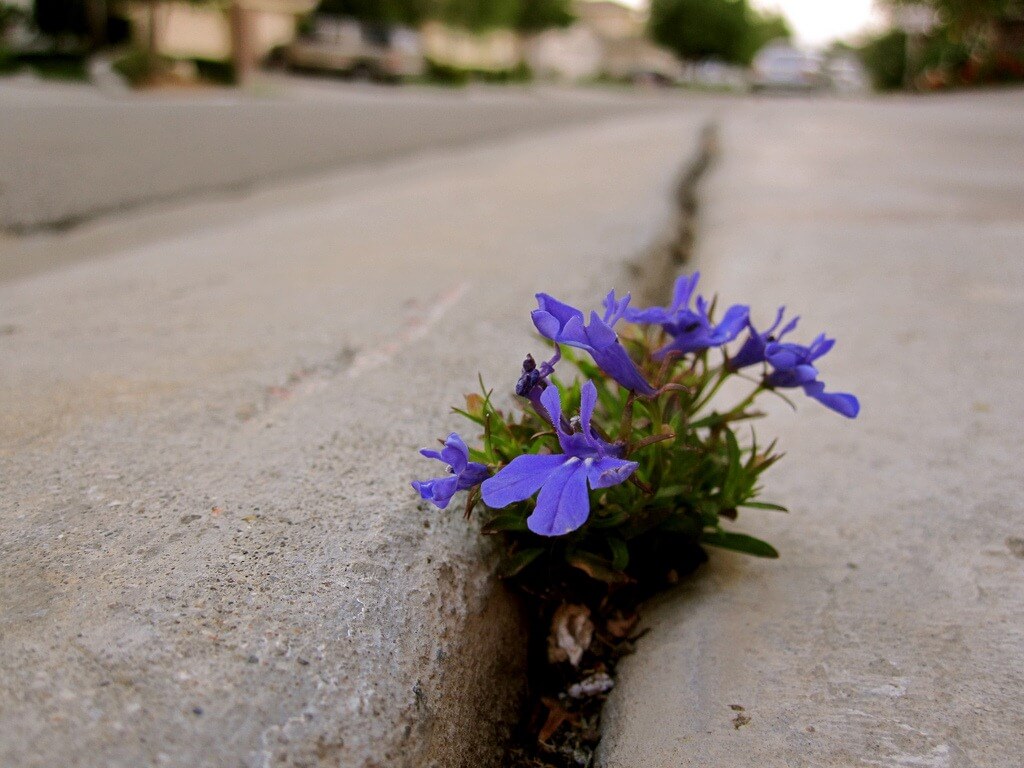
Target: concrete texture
pixel 211 554
pixel 71 154
pixel 889 633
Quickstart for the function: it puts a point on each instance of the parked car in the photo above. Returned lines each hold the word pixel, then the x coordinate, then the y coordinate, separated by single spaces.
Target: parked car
pixel 780 66
pixel 361 51
pixel 847 75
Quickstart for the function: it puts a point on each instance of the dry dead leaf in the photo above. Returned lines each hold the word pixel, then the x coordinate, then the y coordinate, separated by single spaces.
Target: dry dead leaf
pixel 621 626
pixel 557 714
pixel 571 633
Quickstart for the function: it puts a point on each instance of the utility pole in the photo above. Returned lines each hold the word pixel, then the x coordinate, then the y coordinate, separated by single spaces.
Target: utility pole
pixel 243 52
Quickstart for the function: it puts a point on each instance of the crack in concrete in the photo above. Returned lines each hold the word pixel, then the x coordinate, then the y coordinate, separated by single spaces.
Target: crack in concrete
pixel 654 270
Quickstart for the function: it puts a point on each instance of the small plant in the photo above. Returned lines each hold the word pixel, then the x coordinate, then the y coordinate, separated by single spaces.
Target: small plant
pixel 609 479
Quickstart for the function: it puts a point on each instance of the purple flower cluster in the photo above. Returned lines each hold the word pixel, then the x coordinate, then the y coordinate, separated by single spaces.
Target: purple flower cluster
pixel 563 504
pixel 463 474
pixel 792 365
pixel 587 462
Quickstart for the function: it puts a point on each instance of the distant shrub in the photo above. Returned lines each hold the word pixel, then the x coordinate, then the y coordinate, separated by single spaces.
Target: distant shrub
pixel 885 58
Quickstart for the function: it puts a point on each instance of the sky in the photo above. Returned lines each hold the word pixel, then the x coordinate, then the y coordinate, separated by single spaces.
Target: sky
pixel 816 22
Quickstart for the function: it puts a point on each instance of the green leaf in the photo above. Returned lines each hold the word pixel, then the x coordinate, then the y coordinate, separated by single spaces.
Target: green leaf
pixel 680 524
pixel 668 491
pixel 506 521
pixel 515 563
pixel 476 419
pixel 595 567
pixel 620 553
pixel 616 518
pixel 764 505
pixel 739 542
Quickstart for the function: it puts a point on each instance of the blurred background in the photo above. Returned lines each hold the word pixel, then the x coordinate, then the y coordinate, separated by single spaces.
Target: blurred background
pixel 845 45
pixel 251 250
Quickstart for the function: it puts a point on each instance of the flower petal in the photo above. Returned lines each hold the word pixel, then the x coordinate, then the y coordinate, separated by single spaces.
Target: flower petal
pixel 520 479
pixel 588 399
pixel 551 399
pixel 797 376
pixel 649 316
pixel 615 361
pixel 751 353
pixel 561 311
pixel 615 310
pixel 820 346
pixel 438 491
pixel 732 323
pixel 840 402
pixel 455 453
pixel 783 356
pixel 683 290
pixel 474 474
pixel 606 472
pixel 600 334
pixel 563 504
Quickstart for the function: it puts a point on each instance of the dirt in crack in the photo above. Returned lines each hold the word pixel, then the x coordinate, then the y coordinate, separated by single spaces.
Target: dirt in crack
pixel 578 633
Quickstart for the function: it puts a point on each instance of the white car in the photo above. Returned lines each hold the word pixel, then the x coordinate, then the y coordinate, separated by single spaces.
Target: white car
pixel 361 51
pixel 780 66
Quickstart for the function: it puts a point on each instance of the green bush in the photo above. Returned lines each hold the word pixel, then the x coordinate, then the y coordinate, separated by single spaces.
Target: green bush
pixel 446 74
pixel 49 65
pixel 885 58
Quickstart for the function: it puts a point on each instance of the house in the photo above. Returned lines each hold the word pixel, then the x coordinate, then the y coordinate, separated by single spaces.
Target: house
pixel 606 40
pixel 188 31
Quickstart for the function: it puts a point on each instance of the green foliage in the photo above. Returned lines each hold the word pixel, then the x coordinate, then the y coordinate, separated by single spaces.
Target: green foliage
pixel 53 65
pixel 885 58
pixel 722 29
pixel 480 15
pixel 765 28
pixel 474 15
pixel 61 17
pixel 698 466
pixel 965 16
pixel 406 12
pixel 536 15
pixel 134 66
pixel 445 74
pixel 10 15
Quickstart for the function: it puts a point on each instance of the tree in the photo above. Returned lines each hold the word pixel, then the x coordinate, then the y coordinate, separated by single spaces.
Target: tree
pixel 724 29
pixel 83 20
pixel 966 16
pixel 476 15
pixel 536 15
pixel 407 12
pixel 763 29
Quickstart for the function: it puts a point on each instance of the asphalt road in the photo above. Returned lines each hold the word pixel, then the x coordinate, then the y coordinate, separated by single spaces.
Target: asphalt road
pixel 72 154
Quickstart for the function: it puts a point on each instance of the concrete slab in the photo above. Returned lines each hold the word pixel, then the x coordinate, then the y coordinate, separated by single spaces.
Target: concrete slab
pixel 211 555
pixel 890 631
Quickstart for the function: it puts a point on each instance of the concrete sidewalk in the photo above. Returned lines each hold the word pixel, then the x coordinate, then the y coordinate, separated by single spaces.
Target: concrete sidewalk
pixel 890 632
pixel 211 553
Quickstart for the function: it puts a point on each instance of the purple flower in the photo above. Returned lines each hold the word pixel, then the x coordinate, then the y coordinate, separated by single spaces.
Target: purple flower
pixel 691 329
pixel 792 366
pixel 564 503
pixel 565 325
pixel 464 473
pixel 753 350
